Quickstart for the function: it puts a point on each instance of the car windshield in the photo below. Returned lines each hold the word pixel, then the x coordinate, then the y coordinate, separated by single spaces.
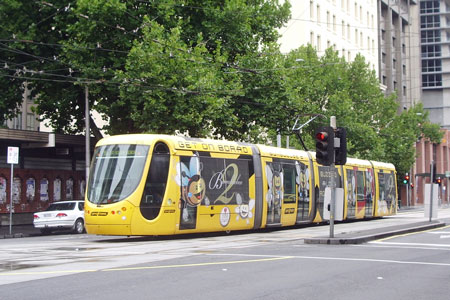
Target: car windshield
pixel 115 172
pixel 61 206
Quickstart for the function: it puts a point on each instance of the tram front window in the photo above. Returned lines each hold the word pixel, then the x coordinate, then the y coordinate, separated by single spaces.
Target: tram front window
pixel 116 172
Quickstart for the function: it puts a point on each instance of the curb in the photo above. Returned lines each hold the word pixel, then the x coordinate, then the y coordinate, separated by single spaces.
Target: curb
pixel 367 238
pixel 14 235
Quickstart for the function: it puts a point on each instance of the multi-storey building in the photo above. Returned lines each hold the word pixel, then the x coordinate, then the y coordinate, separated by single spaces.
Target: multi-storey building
pixel 435 49
pixel 395 42
pixel 26 119
pixel 350 27
pixel 398 52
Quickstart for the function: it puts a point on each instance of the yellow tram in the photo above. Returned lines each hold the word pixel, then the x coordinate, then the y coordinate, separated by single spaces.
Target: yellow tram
pixel 145 184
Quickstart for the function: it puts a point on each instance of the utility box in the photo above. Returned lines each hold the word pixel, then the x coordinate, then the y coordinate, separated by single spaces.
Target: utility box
pixel 428 204
pixel 339 205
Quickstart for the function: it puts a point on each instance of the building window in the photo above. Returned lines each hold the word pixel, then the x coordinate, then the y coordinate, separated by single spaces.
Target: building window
pixel 427 7
pixel 431 80
pixel 311 10
pixel 17 122
pixel 431 65
pixel 328 20
pixel 429 21
pixel 30 121
pixel 430 36
pixel 431 51
pixel 318 14
pixel 334 23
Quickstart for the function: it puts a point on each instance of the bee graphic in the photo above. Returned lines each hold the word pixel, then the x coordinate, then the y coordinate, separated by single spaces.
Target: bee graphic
pixel 193 187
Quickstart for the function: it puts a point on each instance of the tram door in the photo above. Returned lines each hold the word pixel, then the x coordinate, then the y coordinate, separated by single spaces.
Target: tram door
pixel 303 183
pixel 274 195
pixel 369 192
pixel 360 187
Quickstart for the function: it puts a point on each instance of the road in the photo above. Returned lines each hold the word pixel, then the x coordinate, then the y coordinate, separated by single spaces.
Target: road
pixel 263 265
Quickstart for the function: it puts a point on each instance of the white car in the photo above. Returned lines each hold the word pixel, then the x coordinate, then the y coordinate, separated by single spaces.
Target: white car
pixel 60 216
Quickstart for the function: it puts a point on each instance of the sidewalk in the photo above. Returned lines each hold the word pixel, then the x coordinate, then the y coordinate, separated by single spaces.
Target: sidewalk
pixel 360 237
pixel 18 231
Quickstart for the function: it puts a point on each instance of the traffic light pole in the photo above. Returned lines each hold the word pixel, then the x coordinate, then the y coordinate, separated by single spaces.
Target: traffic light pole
pixel 407 192
pixel 431 189
pixel 333 186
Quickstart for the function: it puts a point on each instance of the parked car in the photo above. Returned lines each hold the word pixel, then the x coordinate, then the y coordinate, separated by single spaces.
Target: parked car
pixel 62 215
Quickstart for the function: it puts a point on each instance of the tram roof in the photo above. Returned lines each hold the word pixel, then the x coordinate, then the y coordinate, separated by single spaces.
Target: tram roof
pixel 180 143
pixel 282 152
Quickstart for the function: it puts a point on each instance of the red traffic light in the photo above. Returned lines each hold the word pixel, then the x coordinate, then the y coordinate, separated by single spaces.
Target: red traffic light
pixel 438 180
pixel 322 136
pixel 407 177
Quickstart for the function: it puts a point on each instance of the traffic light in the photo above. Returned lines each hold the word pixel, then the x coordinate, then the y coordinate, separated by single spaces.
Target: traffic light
pixel 406 179
pixel 438 180
pixel 324 137
pixel 341 149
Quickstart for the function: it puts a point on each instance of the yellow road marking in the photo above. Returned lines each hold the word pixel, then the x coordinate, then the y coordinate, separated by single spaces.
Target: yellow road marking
pixel 410 233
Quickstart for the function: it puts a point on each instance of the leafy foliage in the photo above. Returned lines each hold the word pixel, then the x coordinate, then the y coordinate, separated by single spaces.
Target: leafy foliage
pixel 204 68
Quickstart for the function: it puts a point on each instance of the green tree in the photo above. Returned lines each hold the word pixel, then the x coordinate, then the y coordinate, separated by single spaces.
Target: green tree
pixel 169 86
pixel 90 43
pixel 330 86
pixel 24 25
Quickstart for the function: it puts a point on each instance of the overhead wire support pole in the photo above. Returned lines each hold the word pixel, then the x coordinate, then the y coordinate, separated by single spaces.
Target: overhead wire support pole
pixel 88 129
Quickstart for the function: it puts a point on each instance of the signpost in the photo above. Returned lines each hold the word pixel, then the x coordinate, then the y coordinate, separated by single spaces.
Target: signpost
pixel 13 158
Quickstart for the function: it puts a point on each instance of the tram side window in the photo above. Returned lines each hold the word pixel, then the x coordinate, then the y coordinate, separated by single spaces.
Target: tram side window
pixel 155 184
pixel 360 186
pixel 289 184
pixel 387 187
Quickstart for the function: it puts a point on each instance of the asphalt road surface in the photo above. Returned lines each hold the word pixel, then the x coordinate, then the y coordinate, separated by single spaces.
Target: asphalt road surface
pixel 257 265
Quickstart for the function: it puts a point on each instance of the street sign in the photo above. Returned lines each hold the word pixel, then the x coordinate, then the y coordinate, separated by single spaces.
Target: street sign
pixel 447 174
pixel 13 155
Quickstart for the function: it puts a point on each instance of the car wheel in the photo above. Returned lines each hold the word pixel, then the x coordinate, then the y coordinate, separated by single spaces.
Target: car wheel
pixel 79 226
